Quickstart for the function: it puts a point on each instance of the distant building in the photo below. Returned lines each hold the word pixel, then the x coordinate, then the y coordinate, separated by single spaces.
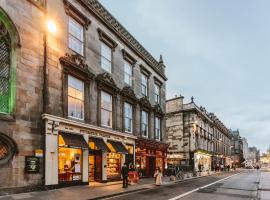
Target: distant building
pixel 253 154
pixel 245 148
pixel 237 148
pixel 196 137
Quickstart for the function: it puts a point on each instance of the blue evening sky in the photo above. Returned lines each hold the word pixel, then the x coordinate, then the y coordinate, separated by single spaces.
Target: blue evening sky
pixel 216 51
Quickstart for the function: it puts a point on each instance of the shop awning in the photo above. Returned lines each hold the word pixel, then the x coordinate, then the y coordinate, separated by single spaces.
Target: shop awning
pixel 118 146
pixel 100 144
pixel 74 141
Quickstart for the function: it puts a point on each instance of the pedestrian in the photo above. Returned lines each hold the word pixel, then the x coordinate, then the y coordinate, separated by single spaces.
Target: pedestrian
pixel 124 172
pixel 222 167
pixel 158 176
pixel 228 167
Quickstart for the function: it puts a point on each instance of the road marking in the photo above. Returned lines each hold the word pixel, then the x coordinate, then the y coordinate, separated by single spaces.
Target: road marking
pixel 194 190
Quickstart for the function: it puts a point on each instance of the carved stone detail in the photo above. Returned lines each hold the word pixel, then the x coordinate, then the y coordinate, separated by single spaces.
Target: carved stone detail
pixel 77 62
pixel 128 92
pixel 107 80
pixel 157 109
pixel 144 102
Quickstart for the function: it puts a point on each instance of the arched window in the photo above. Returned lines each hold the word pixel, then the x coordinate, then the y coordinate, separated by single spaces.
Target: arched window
pixel 9 44
pixel 7 148
pixel 5 52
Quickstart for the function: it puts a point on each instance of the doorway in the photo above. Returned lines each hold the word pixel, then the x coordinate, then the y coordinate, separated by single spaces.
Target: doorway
pixel 152 166
pixel 95 166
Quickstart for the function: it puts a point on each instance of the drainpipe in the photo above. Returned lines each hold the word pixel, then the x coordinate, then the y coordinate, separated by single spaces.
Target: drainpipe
pixel 44 93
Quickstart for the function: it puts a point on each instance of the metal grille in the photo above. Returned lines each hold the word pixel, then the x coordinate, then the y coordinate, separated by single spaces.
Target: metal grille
pixel 4 73
pixel 3 150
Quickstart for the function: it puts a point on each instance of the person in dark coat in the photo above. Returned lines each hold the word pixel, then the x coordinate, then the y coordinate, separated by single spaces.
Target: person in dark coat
pixel 124 172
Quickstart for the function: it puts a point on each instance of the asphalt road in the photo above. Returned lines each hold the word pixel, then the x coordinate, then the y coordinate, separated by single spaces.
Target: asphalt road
pixel 215 187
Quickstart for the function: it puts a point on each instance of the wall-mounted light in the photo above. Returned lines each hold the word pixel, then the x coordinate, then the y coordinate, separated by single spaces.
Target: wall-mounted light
pixel 51 26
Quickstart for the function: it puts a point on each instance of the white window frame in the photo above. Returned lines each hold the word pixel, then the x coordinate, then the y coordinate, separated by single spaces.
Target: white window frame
pixel 157 128
pixel 127 75
pixel 104 59
pixel 144 86
pixel 76 38
pixel 75 98
pixel 146 124
pixel 126 117
pixel 106 110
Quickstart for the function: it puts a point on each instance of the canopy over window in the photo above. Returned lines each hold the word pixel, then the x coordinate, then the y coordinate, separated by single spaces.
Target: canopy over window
pixel 100 144
pixel 73 141
pixel 118 146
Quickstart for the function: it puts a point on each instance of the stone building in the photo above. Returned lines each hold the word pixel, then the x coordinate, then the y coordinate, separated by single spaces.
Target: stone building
pixel 237 148
pixel 77 99
pixel 253 155
pixel 197 139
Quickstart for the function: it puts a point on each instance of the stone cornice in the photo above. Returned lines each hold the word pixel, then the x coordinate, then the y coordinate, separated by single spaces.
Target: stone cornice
pixel 105 16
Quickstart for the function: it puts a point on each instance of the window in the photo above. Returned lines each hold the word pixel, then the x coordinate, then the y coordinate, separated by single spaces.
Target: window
pixel 157 128
pixel 4 73
pixel 106 57
pixel 144 124
pixel 76 36
pixel 106 109
pixel 75 98
pixel 128 117
pixel 144 84
pixel 128 73
pixel 157 93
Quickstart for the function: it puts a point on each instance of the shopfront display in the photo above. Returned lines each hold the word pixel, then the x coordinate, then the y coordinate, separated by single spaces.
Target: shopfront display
pixel 114 165
pixel 70 157
pixel 202 162
pixel 70 164
pixel 150 155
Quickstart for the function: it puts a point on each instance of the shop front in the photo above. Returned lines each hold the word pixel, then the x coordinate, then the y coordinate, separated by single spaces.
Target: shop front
pixel 70 157
pixel 150 154
pixel 78 153
pixel 202 161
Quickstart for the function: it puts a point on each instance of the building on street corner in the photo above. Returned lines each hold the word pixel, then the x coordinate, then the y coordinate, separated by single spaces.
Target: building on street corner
pixel 77 98
pixel 198 140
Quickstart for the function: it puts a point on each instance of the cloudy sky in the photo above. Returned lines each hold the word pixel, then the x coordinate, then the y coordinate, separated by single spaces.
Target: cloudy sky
pixel 216 51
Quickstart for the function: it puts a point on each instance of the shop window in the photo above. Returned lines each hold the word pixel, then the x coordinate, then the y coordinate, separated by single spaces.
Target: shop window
pixel 128 117
pixel 157 128
pixel 144 85
pixel 144 124
pixel 75 36
pixel 70 164
pixel 157 93
pixel 106 109
pixel 106 57
pixel 128 73
pixel 75 98
pixel 114 165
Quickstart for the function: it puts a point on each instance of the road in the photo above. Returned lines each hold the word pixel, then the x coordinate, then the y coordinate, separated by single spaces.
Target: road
pixel 216 187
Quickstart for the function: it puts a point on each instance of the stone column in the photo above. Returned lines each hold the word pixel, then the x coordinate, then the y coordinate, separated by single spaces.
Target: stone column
pixel 85 162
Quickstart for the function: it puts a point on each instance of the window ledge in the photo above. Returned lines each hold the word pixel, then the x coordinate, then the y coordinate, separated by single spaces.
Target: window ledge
pixel 7 117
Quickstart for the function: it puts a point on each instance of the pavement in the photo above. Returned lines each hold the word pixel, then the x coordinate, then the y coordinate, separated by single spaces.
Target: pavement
pixel 234 185
pixel 93 191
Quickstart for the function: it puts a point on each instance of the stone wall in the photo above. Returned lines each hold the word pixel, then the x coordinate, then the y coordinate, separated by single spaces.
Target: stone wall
pixel 25 127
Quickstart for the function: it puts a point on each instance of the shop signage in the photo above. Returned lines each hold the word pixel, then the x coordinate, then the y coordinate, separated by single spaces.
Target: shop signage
pixel 39 153
pixel 31 164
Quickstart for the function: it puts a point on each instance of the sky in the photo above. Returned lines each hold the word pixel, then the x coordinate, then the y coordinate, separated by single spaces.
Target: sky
pixel 216 51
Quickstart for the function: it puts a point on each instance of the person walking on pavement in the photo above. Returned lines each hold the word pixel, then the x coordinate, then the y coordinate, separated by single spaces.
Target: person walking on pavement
pixel 124 172
pixel 158 176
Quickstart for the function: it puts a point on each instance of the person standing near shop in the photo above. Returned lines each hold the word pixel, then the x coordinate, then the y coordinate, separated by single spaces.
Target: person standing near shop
pixel 158 176
pixel 124 172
